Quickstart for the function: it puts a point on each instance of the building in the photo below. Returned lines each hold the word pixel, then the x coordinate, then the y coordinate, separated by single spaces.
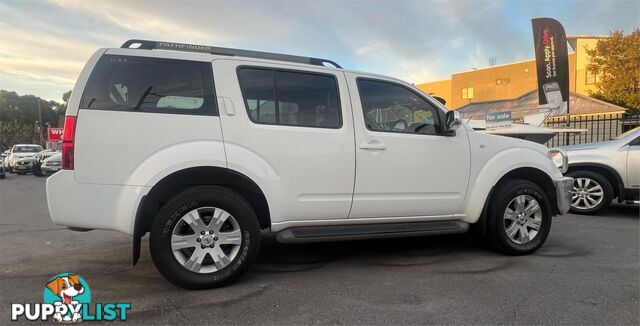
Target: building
pixel 511 81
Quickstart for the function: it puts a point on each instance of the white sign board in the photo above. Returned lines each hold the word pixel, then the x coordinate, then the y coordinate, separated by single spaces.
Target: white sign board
pixel 496 120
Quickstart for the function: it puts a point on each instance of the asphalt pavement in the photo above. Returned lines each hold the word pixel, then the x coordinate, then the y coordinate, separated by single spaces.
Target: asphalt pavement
pixel 588 272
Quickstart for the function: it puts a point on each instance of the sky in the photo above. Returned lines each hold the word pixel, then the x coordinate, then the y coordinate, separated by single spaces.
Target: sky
pixel 44 44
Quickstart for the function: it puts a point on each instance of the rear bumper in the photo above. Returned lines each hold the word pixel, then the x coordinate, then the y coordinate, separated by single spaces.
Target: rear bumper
pixel 92 206
pixel 564 188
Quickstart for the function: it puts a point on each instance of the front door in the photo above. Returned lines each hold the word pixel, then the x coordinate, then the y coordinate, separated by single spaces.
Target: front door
pixel 633 164
pixel 405 165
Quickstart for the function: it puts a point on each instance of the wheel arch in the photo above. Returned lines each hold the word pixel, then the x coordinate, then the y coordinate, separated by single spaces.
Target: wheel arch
pixel 532 174
pixel 181 180
pixel 607 172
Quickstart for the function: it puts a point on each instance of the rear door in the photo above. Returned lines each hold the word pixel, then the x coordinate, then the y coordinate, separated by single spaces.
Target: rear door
pixel 290 127
pixel 138 102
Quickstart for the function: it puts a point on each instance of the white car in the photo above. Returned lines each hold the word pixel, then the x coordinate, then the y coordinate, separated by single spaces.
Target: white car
pixel 19 151
pixel 215 144
pixel 604 171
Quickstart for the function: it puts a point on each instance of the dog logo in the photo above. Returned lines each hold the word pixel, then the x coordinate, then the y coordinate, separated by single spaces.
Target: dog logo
pixel 68 292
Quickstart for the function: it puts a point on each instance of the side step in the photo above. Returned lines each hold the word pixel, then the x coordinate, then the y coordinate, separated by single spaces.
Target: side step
pixel 369 231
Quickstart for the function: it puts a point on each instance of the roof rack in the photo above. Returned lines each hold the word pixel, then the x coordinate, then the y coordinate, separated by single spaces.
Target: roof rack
pixel 157 45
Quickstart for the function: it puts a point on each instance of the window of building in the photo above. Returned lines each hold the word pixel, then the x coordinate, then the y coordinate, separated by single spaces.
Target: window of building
pixel 390 107
pixel 290 98
pixel 150 85
pixel 467 93
pixel 592 78
pixel 503 81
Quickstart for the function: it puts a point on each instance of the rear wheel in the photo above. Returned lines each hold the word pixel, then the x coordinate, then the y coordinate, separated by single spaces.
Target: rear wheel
pixel 204 237
pixel 519 217
pixel 592 192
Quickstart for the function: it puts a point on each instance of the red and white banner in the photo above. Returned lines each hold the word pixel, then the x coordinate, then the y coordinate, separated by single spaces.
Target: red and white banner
pixel 55 134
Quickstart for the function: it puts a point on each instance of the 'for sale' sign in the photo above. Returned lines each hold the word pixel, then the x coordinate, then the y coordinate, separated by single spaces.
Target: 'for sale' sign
pixel 55 134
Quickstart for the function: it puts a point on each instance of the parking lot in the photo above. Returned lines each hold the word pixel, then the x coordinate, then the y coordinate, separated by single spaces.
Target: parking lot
pixel 588 272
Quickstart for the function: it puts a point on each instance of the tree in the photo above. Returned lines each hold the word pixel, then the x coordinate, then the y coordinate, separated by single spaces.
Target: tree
pixel 19 116
pixel 616 62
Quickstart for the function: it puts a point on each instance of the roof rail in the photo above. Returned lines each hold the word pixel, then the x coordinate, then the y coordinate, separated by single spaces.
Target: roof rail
pixel 157 45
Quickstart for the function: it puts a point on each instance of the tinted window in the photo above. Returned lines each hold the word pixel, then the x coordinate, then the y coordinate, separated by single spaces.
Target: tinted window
pixel 394 108
pixel 150 85
pixel 290 98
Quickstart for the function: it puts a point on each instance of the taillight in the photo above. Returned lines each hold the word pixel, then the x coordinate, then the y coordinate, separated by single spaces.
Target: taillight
pixel 68 142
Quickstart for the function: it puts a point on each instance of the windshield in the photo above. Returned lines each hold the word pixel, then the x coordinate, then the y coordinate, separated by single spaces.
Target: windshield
pixel 27 149
pixel 627 133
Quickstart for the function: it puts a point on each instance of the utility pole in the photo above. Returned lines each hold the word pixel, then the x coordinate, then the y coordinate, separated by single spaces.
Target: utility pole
pixel 39 121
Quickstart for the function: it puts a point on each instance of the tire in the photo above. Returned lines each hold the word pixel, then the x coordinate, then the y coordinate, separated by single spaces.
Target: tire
pixel 177 266
pixel 21 173
pixel 37 171
pixel 587 193
pixel 523 239
pixel 2 176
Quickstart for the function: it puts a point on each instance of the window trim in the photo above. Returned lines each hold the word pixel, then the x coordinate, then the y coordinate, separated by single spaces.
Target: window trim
pixel 439 115
pixel 209 106
pixel 275 92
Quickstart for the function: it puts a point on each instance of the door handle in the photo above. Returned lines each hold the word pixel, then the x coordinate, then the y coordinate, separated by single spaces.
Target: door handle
pixel 374 145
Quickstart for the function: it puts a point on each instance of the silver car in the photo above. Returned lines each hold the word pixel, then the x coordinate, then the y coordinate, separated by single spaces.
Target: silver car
pixel 603 171
pixel 52 164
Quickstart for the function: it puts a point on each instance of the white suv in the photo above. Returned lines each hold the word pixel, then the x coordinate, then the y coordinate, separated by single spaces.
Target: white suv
pixel 215 144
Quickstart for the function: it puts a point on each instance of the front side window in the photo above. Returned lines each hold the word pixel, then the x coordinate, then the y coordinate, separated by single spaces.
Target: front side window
pixel 394 108
pixel 290 98
pixel 143 84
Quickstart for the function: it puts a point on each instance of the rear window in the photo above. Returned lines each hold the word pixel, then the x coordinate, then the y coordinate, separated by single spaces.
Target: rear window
pixel 140 84
pixel 290 98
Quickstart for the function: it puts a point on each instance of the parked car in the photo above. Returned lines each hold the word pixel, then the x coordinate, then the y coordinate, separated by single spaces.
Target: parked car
pixel 52 164
pixel 223 143
pixel 4 157
pixel 23 165
pixel 604 171
pixel 21 151
pixel 40 157
pixel 3 169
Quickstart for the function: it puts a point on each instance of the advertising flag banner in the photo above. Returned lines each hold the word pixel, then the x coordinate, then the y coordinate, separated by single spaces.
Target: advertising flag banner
pixel 55 134
pixel 552 64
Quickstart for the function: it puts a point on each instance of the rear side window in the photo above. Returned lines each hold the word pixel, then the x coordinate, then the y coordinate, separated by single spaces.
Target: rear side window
pixel 140 84
pixel 290 98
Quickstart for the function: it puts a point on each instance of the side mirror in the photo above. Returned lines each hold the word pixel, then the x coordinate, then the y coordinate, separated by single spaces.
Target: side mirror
pixel 453 120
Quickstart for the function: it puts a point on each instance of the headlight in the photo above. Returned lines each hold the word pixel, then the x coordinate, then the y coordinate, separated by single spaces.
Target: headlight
pixel 559 159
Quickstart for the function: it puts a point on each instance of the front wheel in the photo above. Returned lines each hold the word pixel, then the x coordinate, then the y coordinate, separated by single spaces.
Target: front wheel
pixel 591 192
pixel 519 217
pixel 204 237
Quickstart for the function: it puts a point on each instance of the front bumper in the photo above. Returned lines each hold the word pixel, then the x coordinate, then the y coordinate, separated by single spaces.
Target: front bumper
pixel 50 169
pixel 564 188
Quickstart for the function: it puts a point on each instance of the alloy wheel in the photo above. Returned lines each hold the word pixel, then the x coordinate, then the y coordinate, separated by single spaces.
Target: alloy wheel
pixel 206 239
pixel 522 219
pixel 587 194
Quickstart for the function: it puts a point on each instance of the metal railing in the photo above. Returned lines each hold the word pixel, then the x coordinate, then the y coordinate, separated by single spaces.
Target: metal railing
pixel 599 127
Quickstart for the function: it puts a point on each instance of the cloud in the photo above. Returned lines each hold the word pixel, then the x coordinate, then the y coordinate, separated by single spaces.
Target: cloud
pixel 414 40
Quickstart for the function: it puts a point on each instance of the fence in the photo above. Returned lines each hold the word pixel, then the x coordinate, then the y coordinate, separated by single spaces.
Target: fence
pixel 599 127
